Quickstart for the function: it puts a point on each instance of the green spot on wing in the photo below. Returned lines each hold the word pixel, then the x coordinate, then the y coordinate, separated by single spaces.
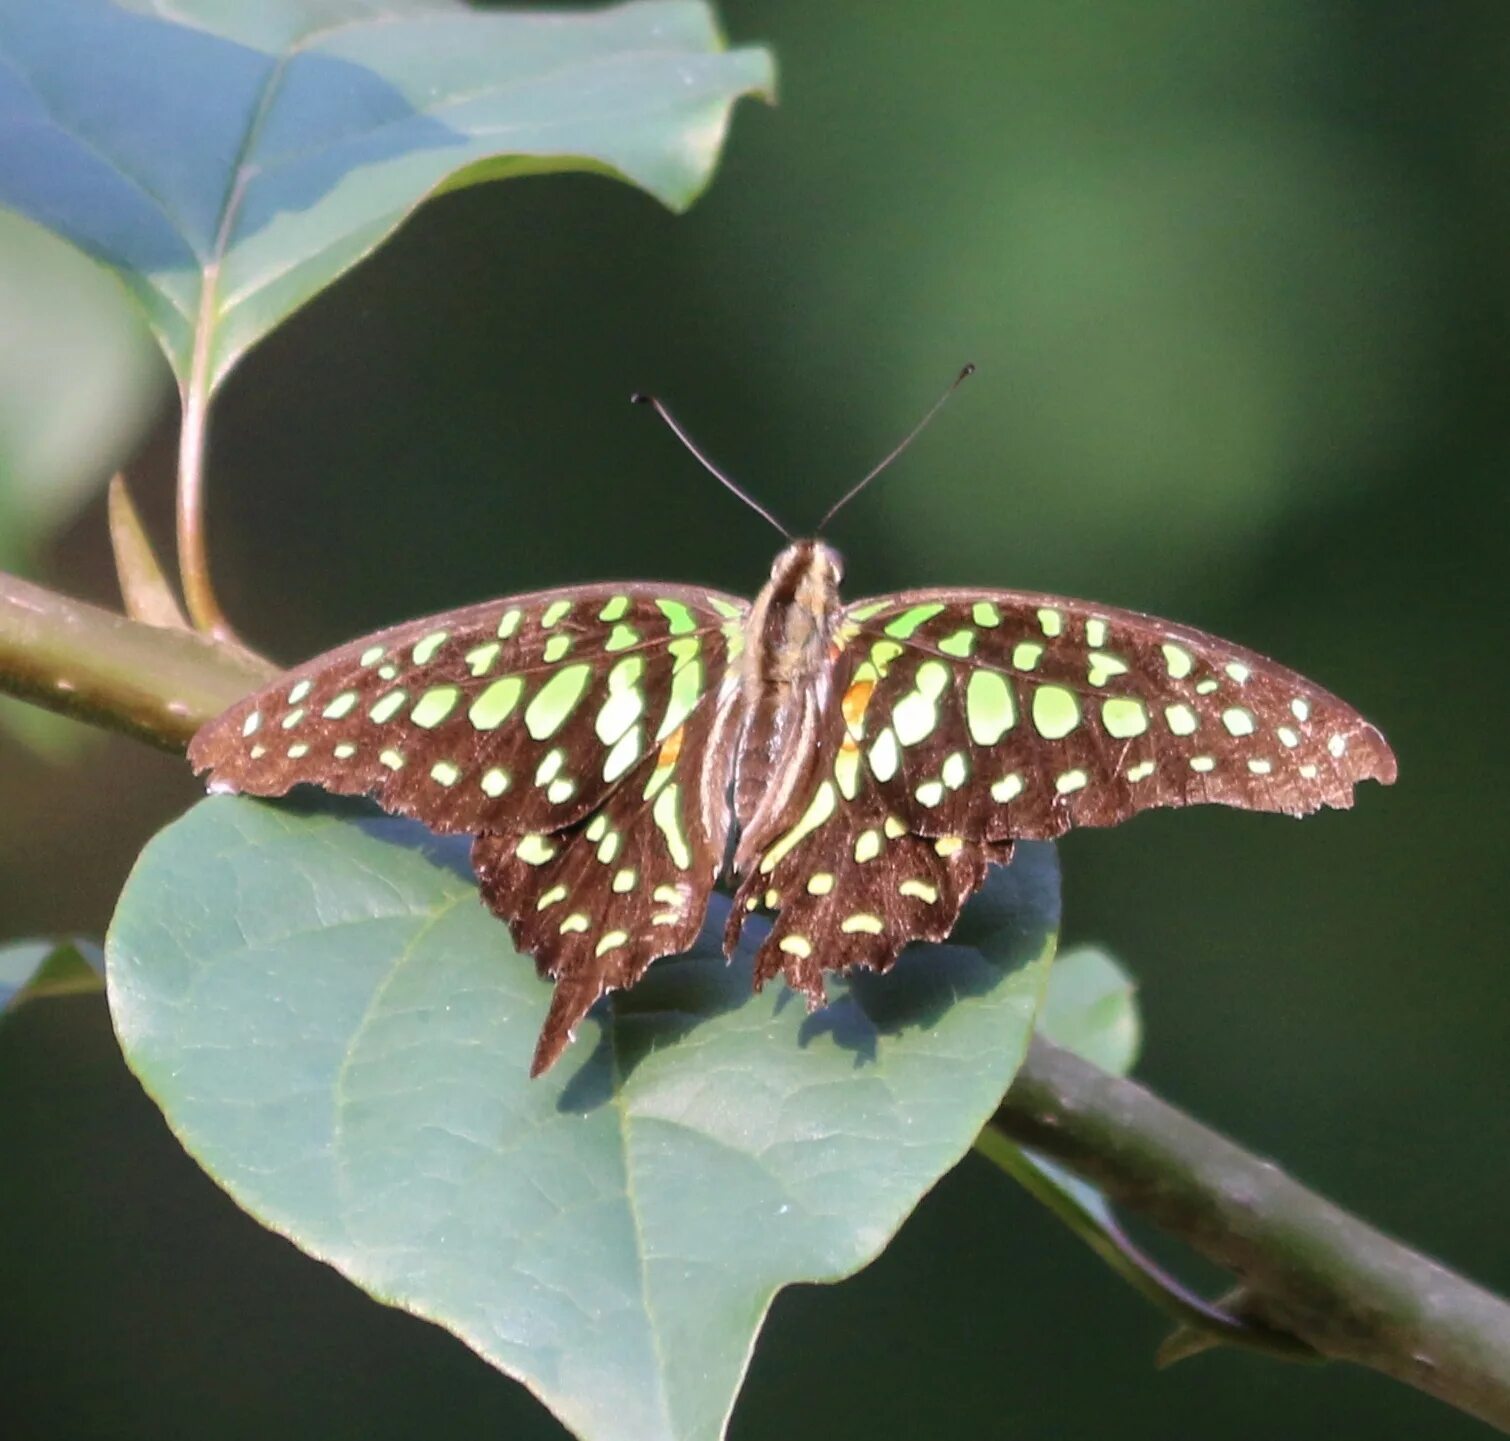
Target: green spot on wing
pixel 481 660
pixel 424 650
pixel 959 644
pixel 434 706
pixel 667 815
pixel 990 711
pixel 625 752
pixel 1056 712
pixel 906 624
pixel 621 638
pixel 1124 717
pixel 678 617
pixel 555 700
pixel 388 706
pixel 493 706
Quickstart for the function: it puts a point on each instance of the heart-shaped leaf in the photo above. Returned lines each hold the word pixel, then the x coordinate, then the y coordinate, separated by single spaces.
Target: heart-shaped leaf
pixel 340 1033
pixel 229 161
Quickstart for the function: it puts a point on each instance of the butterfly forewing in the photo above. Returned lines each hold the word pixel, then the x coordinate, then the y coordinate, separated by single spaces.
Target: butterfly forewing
pixel 1006 714
pixel 516 715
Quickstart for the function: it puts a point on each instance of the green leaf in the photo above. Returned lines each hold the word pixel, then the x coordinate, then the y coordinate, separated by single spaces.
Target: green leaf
pixel 36 970
pixel 230 161
pixel 79 382
pixel 339 1033
pixel 1092 1009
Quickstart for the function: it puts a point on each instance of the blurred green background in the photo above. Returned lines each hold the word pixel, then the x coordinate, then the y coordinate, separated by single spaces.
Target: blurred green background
pixel 1237 279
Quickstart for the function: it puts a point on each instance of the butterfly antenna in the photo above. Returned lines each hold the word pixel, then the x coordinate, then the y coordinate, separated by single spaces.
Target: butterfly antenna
pixel 639 398
pixel 907 440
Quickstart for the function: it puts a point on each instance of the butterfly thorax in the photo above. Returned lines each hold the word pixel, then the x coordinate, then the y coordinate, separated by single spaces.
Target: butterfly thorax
pixel 789 638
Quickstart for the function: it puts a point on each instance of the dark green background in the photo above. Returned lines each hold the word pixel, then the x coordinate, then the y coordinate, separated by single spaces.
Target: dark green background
pixel 1236 279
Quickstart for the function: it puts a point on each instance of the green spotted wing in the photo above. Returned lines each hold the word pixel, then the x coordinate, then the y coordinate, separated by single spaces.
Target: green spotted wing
pixel 968 719
pixel 582 736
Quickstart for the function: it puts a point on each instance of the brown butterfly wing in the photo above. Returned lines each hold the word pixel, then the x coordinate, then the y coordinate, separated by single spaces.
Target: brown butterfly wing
pixel 962 720
pixel 584 736
pixel 1011 714
pixel 515 715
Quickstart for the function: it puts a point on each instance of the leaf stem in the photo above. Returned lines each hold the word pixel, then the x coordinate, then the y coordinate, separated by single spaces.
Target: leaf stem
pixel 193 550
pixel 1115 1247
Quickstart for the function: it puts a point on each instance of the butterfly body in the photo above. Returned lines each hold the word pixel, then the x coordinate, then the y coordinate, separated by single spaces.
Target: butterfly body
pixel 601 743
pixel 790 635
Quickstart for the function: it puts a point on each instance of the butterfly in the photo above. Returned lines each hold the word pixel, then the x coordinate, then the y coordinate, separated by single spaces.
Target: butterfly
pixel 602 743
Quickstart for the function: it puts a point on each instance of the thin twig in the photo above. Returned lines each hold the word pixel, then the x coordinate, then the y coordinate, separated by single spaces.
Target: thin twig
pixel 193 548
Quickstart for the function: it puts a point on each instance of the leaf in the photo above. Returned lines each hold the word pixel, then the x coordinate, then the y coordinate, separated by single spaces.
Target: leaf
pixel 339 1033
pixel 38 970
pixel 79 382
pixel 1091 1008
pixel 229 162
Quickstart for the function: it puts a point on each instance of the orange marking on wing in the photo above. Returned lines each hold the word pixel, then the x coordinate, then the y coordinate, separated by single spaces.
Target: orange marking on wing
pixel 856 698
pixel 671 748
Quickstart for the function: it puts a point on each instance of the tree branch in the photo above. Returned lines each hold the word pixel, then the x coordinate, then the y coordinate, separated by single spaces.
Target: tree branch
pixel 1308 1268
pixel 156 684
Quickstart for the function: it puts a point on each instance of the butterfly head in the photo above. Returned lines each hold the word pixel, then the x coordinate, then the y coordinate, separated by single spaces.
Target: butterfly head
pixel 807 573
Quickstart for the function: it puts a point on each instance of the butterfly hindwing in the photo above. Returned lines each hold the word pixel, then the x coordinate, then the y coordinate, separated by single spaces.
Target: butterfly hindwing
pixel 999 715
pixel 848 880
pixel 595 903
